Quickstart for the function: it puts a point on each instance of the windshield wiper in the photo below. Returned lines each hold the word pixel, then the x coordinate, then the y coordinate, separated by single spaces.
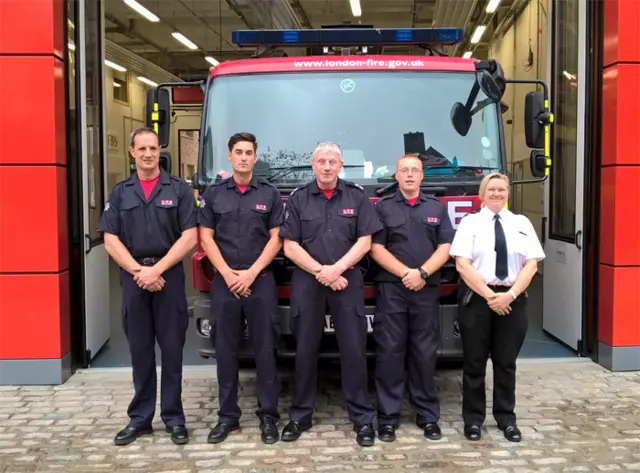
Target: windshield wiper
pixel 306 167
pixel 460 168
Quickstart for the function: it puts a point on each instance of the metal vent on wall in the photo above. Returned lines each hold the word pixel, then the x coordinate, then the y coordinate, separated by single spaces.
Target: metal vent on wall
pixel 137 65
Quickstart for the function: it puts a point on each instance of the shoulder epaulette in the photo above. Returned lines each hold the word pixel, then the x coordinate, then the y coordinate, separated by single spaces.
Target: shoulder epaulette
pixel 471 213
pixel 387 197
pixel 353 184
pixel 264 181
pixel 303 186
pixel 221 181
pixel 177 179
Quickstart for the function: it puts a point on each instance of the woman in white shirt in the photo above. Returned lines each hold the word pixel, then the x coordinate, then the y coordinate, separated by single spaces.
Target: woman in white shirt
pixel 497 254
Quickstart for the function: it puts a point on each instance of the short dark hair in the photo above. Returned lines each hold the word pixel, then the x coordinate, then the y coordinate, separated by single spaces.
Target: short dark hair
pixel 140 131
pixel 244 136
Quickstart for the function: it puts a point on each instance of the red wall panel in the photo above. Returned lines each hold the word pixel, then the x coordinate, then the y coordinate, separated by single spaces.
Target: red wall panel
pixel 32 27
pixel 621 114
pixel 621 31
pixel 33 105
pixel 34 327
pixel 619 306
pixel 33 219
pixel 619 222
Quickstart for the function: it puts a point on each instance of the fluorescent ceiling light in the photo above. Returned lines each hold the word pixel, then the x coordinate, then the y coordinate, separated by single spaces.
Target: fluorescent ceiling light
pixel 492 6
pixel 113 65
pixel 211 60
pixel 147 81
pixel 568 75
pixel 356 10
pixel 180 37
pixel 115 84
pixel 477 34
pixel 467 55
pixel 141 10
pixel 71 46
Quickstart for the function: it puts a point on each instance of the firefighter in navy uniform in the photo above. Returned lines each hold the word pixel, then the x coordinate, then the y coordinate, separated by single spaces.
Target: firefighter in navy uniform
pixel 240 219
pixel 149 226
pixel 327 230
pixel 411 248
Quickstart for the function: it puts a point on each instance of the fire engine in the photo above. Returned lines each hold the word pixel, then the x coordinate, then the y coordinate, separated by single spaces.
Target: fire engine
pixel 342 85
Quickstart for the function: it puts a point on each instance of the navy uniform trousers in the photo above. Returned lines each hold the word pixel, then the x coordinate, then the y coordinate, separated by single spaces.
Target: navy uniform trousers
pixel 147 317
pixel 406 327
pixel 261 312
pixel 308 303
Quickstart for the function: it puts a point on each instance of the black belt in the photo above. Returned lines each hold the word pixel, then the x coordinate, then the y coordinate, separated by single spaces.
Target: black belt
pixel 149 261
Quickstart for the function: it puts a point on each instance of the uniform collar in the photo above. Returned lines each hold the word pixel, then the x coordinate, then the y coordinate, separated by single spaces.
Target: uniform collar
pixel 400 197
pixel 485 212
pixel 316 190
pixel 232 182
pixel 163 178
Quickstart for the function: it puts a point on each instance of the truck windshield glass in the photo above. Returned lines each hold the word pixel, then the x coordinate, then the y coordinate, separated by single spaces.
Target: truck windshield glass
pixel 375 117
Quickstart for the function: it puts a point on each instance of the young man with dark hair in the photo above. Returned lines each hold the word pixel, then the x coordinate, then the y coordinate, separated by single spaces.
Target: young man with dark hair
pixel 240 219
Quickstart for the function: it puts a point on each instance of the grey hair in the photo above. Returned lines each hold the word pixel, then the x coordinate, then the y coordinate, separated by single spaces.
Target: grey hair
pixel 327 147
pixel 140 131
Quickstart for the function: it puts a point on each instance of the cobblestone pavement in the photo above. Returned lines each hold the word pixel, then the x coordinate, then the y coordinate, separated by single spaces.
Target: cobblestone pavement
pixel 574 417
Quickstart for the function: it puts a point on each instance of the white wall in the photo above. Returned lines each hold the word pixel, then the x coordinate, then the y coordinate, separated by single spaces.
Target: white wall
pixel 123 118
pixel 528 33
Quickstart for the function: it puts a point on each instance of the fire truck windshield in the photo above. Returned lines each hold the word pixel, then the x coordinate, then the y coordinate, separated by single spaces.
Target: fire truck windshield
pixel 375 117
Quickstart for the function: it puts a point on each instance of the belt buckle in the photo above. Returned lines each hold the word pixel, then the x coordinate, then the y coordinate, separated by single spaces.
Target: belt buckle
pixel 148 261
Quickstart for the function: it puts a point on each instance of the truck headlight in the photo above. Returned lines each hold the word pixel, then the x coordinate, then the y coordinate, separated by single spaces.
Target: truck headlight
pixel 205 327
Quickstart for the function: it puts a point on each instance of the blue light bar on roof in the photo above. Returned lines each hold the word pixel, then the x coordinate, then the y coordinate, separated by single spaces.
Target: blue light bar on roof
pixel 347 37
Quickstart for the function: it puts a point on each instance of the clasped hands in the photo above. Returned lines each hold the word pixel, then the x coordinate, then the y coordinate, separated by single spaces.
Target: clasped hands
pixel 239 281
pixel 331 276
pixel 412 279
pixel 500 303
pixel 149 278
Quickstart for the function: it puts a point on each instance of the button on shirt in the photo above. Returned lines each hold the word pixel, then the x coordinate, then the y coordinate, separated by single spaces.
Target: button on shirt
pixel 412 233
pixel 241 221
pixel 327 228
pixel 475 239
pixel 149 228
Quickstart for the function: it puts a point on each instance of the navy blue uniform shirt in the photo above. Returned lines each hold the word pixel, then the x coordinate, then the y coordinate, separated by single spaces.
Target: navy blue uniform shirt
pixel 241 221
pixel 328 228
pixel 149 228
pixel 412 233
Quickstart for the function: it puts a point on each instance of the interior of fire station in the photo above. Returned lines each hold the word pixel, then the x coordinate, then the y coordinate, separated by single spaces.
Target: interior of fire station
pixel 150 42
pixel 114 51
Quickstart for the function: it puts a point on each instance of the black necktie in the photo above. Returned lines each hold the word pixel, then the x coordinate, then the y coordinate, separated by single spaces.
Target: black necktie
pixel 502 271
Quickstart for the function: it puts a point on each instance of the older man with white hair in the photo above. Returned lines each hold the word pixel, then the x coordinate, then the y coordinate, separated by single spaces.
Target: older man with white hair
pixel 327 230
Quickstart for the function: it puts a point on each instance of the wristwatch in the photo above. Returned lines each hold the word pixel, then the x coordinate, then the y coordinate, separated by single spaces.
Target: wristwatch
pixel 423 274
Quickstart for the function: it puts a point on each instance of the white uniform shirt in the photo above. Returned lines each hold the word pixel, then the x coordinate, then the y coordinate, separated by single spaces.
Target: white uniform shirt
pixel 475 239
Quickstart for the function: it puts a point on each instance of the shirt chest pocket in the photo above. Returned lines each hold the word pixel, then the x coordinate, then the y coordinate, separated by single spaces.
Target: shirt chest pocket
pixel 223 218
pixel 396 227
pixel 346 220
pixel 519 242
pixel 131 212
pixel 310 224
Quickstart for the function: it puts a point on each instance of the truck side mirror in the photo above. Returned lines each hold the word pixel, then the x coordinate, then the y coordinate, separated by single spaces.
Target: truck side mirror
pixel 535 119
pixel 165 161
pixel 488 85
pixel 158 114
pixel 538 163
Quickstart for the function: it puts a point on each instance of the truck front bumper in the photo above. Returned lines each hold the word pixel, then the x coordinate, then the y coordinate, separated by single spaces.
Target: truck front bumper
pixel 450 342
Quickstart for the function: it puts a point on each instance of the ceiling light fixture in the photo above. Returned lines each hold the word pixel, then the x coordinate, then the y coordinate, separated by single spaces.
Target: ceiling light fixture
pixel 141 10
pixel 113 65
pixel 211 60
pixel 147 81
pixel 180 37
pixel 356 9
pixel 477 34
pixel 467 55
pixel 492 6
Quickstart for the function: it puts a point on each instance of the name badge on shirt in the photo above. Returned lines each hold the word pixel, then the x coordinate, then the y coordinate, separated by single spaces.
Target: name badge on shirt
pixel 261 207
pixel 432 219
pixel 348 211
pixel 166 203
